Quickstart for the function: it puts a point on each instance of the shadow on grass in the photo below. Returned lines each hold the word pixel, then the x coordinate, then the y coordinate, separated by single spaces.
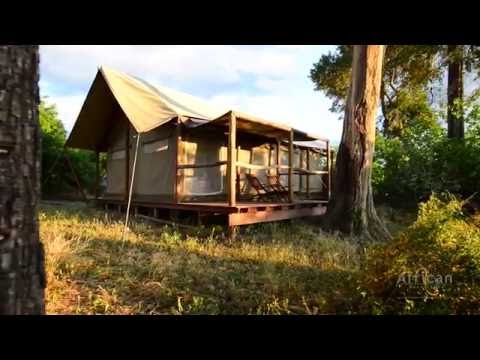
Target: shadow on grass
pixel 159 273
pixel 154 278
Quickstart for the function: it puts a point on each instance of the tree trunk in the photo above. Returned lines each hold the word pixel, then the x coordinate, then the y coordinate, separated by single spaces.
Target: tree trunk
pixel 455 92
pixel 351 209
pixel 22 276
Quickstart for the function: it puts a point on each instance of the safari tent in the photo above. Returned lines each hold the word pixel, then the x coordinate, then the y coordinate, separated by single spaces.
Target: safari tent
pixel 176 152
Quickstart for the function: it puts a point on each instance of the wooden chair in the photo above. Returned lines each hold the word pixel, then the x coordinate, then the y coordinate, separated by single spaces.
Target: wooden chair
pixel 280 189
pixel 263 190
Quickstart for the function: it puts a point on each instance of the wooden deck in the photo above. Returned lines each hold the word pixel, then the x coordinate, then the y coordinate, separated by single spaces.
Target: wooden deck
pixel 242 213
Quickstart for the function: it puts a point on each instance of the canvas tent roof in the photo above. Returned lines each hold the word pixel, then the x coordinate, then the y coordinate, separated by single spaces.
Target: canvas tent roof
pixel 148 107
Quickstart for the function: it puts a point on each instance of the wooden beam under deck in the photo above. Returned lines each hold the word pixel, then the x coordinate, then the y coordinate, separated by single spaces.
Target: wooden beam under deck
pixel 246 218
pixel 241 214
pixel 222 207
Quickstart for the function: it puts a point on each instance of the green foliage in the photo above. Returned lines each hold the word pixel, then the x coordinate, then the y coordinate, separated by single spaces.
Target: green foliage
pixel 331 74
pixel 423 160
pixel 409 107
pixel 57 178
pixel 53 138
pixel 431 268
pixel 408 70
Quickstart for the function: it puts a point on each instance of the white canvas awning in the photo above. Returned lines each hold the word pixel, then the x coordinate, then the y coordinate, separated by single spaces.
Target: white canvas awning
pixel 146 107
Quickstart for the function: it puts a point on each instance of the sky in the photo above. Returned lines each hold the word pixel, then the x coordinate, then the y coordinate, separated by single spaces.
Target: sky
pixel 266 81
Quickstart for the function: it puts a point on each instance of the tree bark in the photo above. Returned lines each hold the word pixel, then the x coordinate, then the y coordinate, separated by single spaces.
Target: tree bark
pixel 351 209
pixel 456 127
pixel 22 274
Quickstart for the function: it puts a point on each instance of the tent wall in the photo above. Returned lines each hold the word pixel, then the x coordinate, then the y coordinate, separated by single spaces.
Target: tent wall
pixel 116 157
pixel 154 170
pixel 153 175
pixel 201 149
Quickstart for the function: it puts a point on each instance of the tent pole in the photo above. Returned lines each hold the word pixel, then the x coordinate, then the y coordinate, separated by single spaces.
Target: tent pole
pixel 127 160
pixel 131 189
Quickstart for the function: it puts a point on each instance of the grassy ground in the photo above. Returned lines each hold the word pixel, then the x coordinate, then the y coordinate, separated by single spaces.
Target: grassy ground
pixel 277 268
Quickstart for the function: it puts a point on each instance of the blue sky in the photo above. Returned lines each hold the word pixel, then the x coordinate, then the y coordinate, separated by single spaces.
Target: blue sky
pixel 266 81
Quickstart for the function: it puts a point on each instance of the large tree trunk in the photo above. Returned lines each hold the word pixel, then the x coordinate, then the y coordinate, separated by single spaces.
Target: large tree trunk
pixel 22 277
pixel 455 92
pixel 351 209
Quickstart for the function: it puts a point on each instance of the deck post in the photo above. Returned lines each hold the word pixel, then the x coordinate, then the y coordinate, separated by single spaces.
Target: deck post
pixel 290 167
pixel 308 175
pixel 329 166
pixel 278 159
pixel 300 176
pixel 237 171
pixel 177 191
pixel 127 161
pixel 231 160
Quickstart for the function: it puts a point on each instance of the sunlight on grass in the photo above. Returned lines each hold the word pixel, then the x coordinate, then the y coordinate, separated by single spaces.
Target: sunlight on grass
pixel 277 268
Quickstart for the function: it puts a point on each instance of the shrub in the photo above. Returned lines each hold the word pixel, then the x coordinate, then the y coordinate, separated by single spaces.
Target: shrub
pixel 57 177
pixel 431 268
pixel 408 168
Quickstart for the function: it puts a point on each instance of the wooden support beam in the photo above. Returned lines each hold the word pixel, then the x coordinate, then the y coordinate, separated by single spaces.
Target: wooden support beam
pixel 195 166
pixel 127 161
pixel 290 167
pixel 269 171
pixel 259 167
pixel 246 218
pixel 177 180
pixel 308 175
pixel 278 157
pixel 231 158
pixel 237 170
pixel 329 166
pixel 300 177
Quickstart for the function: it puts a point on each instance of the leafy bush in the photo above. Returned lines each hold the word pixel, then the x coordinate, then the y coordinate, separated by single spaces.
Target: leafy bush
pixel 57 177
pixel 408 168
pixel 431 268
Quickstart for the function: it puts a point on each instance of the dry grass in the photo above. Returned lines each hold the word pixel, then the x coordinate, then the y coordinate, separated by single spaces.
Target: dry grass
pixel 277 268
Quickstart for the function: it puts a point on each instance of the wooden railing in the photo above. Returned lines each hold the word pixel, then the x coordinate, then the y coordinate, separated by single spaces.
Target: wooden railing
pixel 233 165
pixel 197 166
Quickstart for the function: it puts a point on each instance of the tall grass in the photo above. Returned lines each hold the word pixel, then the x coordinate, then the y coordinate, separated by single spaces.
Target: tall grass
pixel 278 268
